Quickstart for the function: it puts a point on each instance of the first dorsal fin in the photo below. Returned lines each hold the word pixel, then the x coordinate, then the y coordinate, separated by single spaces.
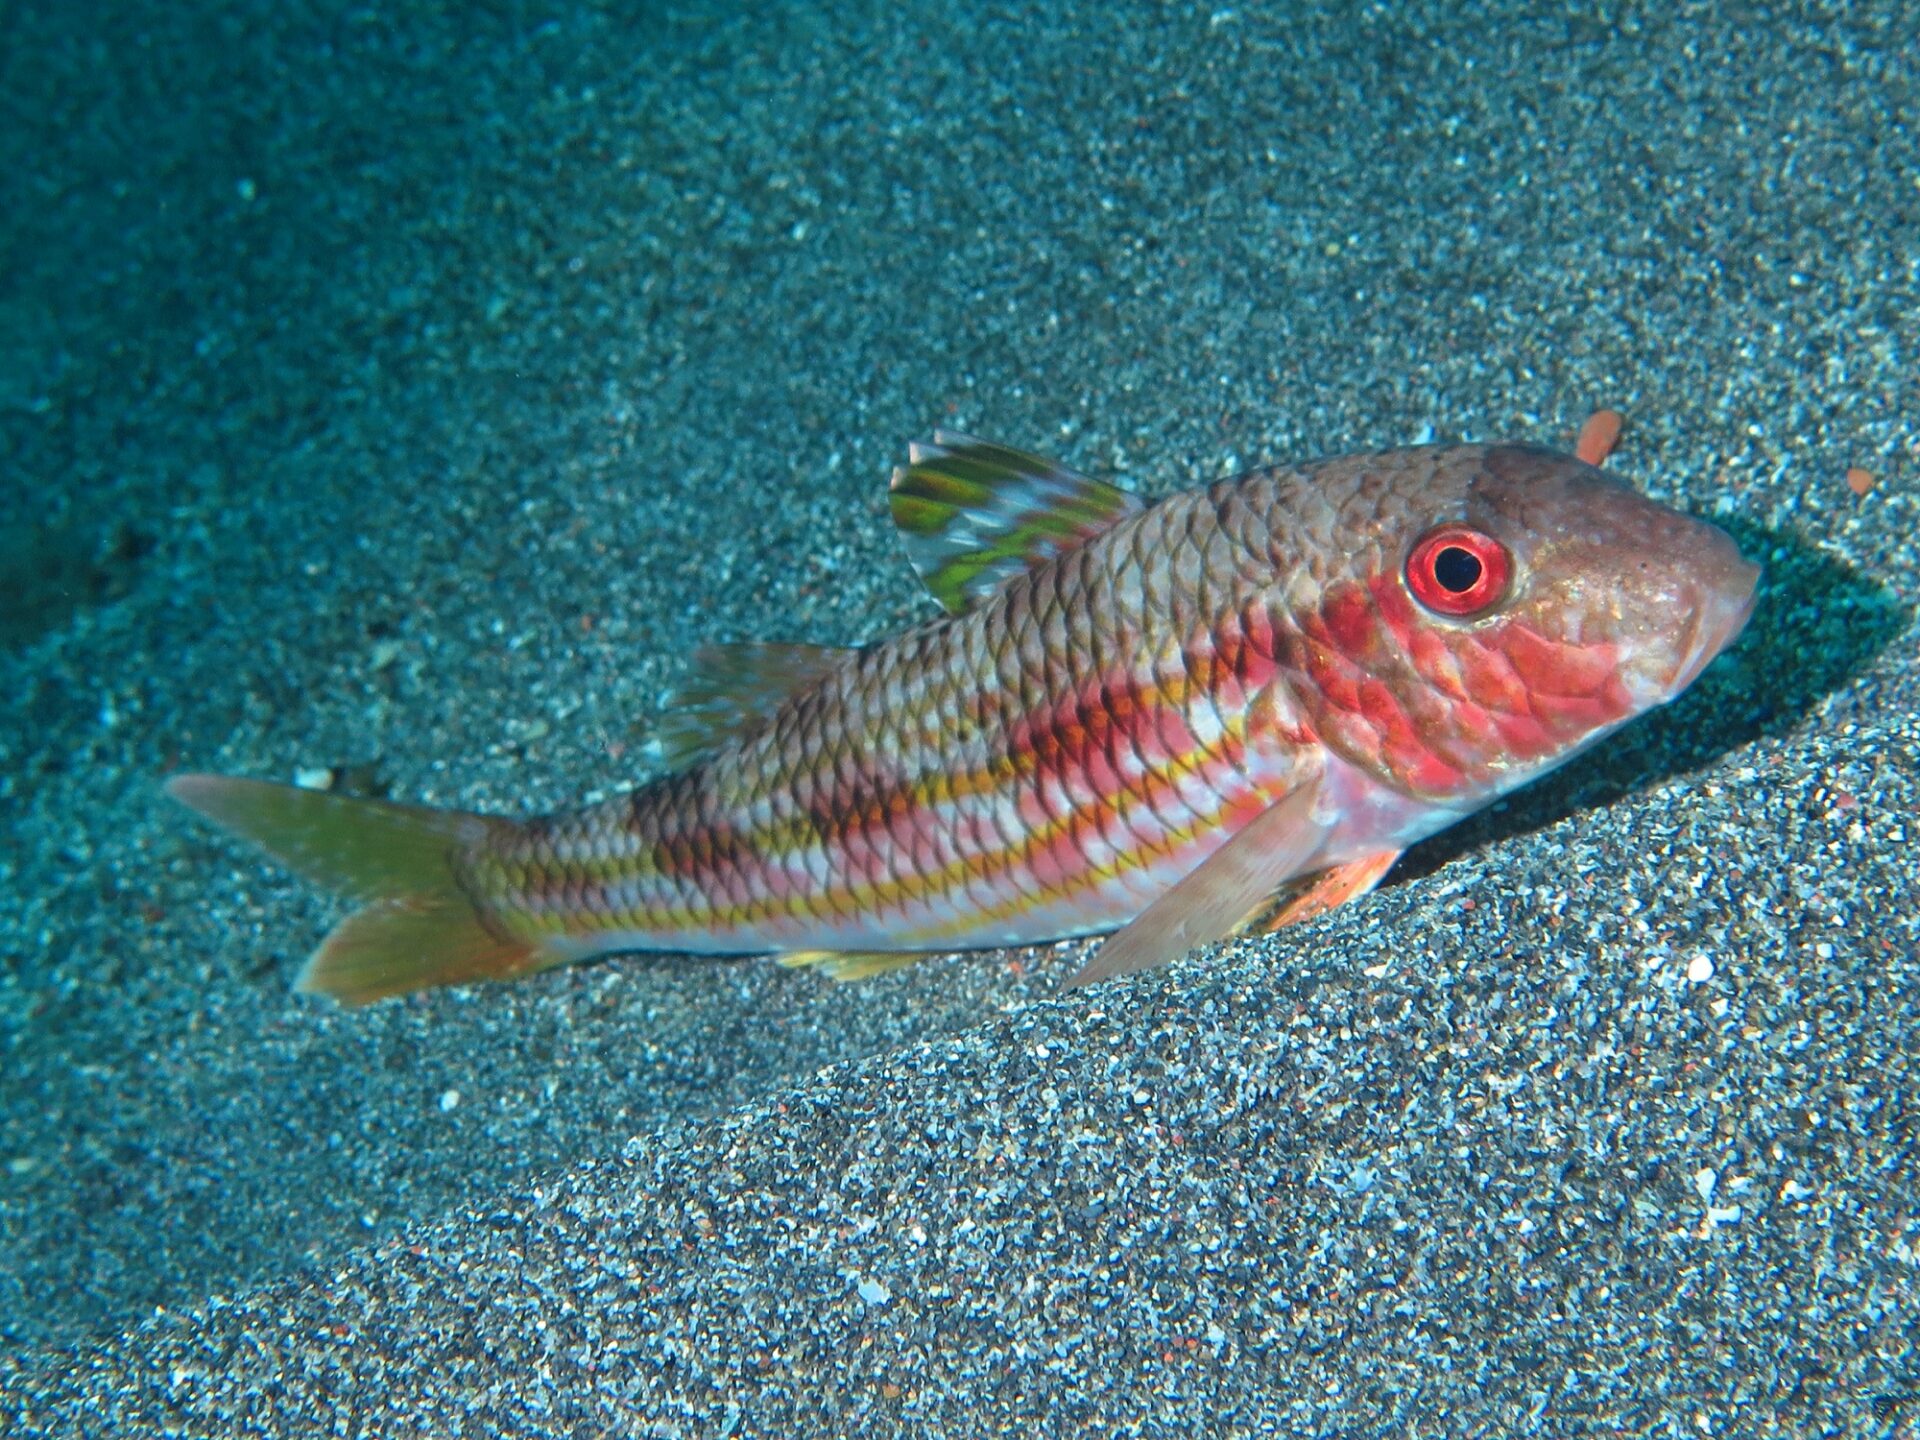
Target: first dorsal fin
pixel 729 690
pixel 973 515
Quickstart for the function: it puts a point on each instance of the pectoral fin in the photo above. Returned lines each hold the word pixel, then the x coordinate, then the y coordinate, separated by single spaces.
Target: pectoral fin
pixel 1216 898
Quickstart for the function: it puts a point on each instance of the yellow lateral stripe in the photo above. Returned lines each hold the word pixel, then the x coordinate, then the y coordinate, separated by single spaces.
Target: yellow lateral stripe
pixel 860 896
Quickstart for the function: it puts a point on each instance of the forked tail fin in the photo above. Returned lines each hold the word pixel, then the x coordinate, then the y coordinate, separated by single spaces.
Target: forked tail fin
pixel 418 927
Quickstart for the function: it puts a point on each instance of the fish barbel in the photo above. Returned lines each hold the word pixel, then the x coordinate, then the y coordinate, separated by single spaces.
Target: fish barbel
pixel 1236 705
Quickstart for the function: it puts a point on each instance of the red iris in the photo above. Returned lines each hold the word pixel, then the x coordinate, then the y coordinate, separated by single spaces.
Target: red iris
pixel 1458 571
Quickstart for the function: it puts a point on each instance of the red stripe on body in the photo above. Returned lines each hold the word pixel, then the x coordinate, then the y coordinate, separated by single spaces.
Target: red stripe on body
pixel 1352 624
pixel 1397 609
pixel 1523 735
pixel 1401 744
pixel 1490 678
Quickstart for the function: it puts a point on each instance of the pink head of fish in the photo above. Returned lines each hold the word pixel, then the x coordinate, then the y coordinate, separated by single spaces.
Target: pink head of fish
pixel 1490 612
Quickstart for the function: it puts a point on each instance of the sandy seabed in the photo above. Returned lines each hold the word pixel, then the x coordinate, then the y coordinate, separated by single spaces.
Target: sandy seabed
pixel 411 388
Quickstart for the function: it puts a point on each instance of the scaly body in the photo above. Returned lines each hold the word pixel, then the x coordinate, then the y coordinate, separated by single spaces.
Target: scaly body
pixel 1118 694
pixel 1043 765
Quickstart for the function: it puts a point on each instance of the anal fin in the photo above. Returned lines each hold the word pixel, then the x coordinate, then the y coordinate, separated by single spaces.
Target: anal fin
pixel 850 964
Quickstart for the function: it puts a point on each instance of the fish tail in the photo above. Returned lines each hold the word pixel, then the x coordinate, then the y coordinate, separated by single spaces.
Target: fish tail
pixel 419 925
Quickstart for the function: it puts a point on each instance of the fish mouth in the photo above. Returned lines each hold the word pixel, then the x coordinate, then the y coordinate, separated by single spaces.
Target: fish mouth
pixel 1718 621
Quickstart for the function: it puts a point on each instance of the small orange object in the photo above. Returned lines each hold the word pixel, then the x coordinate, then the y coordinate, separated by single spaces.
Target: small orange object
pixel 1598 436
pixel 1859 481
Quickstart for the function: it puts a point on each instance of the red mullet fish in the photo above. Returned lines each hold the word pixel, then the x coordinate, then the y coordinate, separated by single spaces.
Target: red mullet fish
pixel 1231 707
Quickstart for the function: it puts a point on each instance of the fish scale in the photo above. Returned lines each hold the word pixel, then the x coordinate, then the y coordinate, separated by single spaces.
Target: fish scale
pixel 1183 567
pixel 1161 717
pixel 850 772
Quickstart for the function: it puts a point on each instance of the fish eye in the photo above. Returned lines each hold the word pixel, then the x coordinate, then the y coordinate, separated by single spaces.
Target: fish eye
pixel 1455 570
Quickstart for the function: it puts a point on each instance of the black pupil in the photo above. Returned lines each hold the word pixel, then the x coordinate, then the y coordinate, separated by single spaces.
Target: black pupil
pixel 1457 570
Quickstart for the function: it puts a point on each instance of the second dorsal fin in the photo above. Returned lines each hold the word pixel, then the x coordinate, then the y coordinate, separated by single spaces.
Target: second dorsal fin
pixel 728 691
pixel 973 515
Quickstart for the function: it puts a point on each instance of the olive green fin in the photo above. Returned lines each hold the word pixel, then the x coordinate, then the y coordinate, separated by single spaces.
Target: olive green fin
pixel 365 849
pixel 418 927
pixel 730 691
pixel 973 515
pixel 850 964
pixel 394 947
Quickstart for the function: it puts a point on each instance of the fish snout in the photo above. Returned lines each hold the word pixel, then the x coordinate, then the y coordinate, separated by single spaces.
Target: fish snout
pixel 1726 584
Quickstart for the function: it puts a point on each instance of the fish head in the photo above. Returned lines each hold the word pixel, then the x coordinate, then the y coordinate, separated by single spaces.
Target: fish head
pixel 1601 571
pixel 1511 606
